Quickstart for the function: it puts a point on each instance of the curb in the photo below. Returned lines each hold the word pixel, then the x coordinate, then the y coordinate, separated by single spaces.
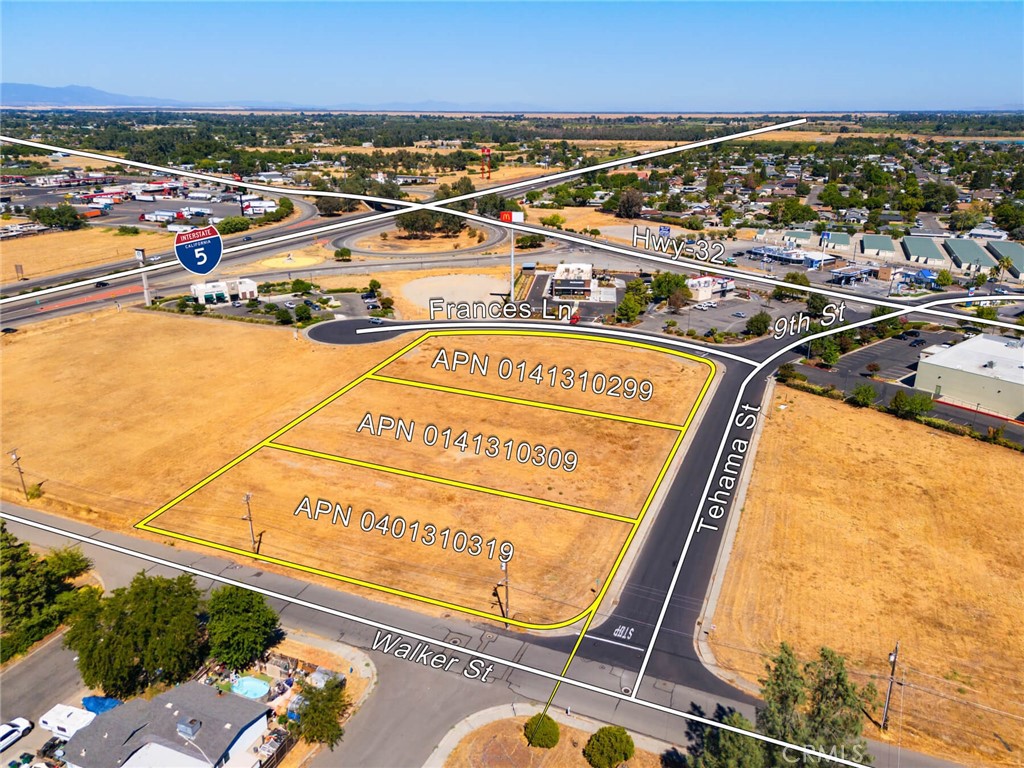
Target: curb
pixel 705 623
pixel 484 717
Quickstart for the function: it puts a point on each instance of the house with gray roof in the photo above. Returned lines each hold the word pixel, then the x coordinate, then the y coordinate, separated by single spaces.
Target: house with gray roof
pixel 190 726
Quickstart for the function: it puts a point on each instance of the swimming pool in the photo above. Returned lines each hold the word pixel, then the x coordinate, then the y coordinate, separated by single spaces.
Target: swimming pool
pixel 251 687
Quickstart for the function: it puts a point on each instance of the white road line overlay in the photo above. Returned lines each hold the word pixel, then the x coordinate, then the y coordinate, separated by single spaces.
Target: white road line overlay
pixel 422 638
pixel 654 340
pixel 613 642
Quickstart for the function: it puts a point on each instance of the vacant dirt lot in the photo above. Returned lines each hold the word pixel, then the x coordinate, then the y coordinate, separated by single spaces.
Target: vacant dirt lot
pixel 501 744
pixel 553 572
pixel 891 531
pixel 407 307
pixel 54 252
pixel 596 442
pixel 675 381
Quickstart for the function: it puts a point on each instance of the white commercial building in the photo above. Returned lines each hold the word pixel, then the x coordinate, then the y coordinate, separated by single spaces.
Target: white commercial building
pixel 704 288
pixel 985 372
pixel 242 289
pixel 573 280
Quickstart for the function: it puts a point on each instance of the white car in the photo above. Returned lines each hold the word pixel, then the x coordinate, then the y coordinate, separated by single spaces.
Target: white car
pixel 290 304
pixel 12 731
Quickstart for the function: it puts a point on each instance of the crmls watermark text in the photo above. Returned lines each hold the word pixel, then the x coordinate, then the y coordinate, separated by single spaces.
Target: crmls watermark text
pixel 856 754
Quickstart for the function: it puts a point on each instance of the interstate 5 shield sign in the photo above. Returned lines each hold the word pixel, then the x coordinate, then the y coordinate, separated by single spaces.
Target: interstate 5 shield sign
pixel 199 250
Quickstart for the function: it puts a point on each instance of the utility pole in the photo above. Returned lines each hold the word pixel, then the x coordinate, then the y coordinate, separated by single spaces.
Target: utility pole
pixel 248 516
pixel 16 461
pixel 504 607
pixel 888 692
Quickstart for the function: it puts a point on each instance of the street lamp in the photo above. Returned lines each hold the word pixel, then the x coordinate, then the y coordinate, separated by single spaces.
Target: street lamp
pixel 16 461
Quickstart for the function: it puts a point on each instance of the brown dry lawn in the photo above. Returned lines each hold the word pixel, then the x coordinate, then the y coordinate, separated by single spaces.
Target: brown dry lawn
pixel 115 414
pixel 501 744
pixel 553 573
pixel 676 381
pixel 597 442
pixel 893 531
pixel 52 253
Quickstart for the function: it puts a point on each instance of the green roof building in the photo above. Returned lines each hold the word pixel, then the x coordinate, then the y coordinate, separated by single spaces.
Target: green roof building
pixel 922 250
pixel 968 255
pixel 1007 249
pixel 877 245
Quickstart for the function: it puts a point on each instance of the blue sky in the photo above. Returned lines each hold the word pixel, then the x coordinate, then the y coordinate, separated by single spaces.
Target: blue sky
pixel 577 56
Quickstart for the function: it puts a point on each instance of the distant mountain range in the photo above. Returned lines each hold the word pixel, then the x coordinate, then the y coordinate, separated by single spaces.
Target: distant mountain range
pixel 29 95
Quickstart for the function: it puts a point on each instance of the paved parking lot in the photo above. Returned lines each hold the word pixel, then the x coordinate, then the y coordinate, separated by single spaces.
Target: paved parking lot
pixel 896 359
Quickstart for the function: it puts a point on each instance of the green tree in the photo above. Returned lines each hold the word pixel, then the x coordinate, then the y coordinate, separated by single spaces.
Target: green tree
pixel 628 310
pixel 758 325
pixel 64 216
pixel 342 254
pixel 784 694
pixel 375 286
pixel 639 290
pixel 321 711
pixel 35 593
pixel 816 304
pixel 911 406
pixel 679 297
pixel 530 241
pixel 541 731
pixel 728 749
pixel 240 625
pixel 283 316
pixel 828 350
pixel 232 224
pixel 831 196
pixel 863 396
pixel 795 278
pixel 886 325
pixel 986 313
pixel 330 206
pixel 608 747
pixel 554 220
pixel 1009 216
pixel 417 224
pixel 667 283
pixel 303 313
pixel 145 633
pixel 631 202
pixel 944 278
pixel 835 708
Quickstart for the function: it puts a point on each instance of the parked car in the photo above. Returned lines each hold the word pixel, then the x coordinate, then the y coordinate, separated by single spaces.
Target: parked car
pixel 12 731
pixel 918 343
pixel 739 314
pixel 368 295
pixel 373 305
pixel 913 333
pixel 1000 290
pixel 376 321
pixel 290 304
pixel 309 303
pixel 236 303
pixel 9 329
pixel 902 336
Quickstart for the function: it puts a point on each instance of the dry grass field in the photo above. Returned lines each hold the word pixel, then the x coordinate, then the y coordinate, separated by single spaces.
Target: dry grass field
pixel 122 411
pixel 54 252
pixel 552 574
pixel 118 414
pixel 676 381
pixel 501 744
pixel 894 532
pixel 597 442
